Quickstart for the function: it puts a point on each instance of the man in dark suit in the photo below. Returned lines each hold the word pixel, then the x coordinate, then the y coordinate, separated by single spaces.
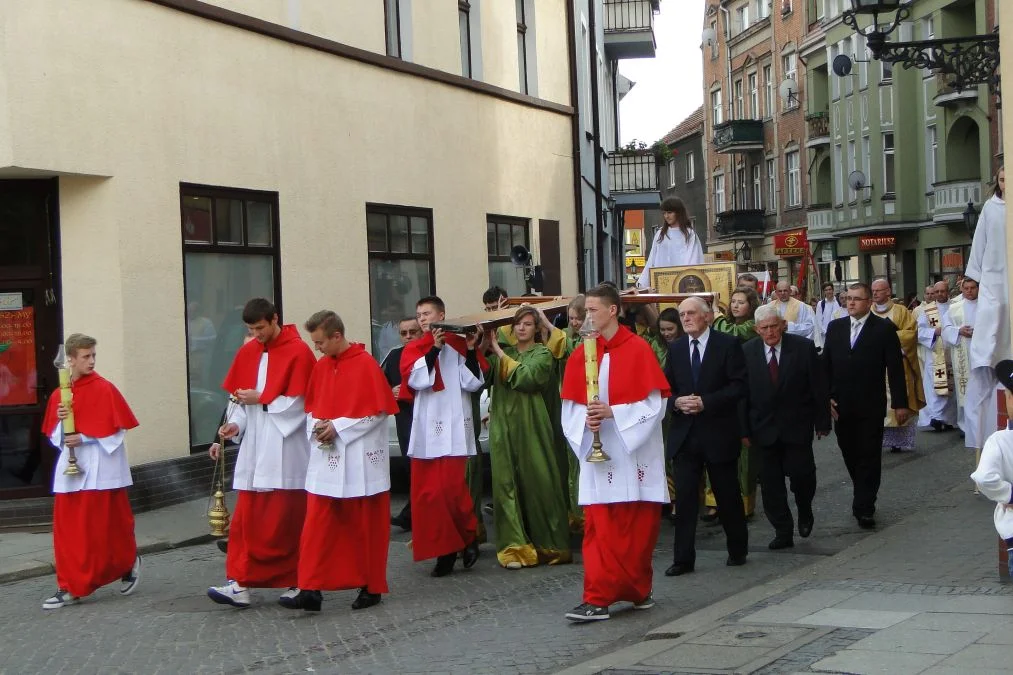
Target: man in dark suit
pixel 707 375
pixel 788 399
pixel 860 353
pixel 408 330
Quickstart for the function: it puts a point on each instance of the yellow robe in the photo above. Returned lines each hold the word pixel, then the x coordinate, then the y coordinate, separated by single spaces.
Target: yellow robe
pixel 907 333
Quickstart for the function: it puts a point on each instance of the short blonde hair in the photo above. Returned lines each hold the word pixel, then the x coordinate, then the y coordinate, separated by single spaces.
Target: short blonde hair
pixel 78 341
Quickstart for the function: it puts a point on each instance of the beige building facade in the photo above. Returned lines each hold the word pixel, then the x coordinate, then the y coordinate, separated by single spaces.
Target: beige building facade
pixel 181 157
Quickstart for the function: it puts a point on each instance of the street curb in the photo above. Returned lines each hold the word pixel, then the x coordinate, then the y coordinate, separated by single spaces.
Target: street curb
pixel 43 569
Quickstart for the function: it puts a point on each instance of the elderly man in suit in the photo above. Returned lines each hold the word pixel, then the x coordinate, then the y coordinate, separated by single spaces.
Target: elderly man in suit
pixel 707 376
pixel 860 354
pixel 788 399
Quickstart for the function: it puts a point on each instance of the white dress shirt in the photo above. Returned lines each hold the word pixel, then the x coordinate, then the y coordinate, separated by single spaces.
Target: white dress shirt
pixel 777 350
pixel 860 323
pixel 702 346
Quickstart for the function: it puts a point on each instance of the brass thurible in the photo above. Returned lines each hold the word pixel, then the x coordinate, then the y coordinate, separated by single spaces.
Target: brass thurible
pixel 590 335
pixel 218 512
pixel 67 399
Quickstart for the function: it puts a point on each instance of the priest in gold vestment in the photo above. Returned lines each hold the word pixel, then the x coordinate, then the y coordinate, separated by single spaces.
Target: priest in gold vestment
pixel 899 437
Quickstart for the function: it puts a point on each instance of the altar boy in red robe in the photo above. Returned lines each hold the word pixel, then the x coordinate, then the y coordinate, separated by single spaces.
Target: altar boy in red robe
pixel 93 526
pixel 268 378
pixel 346 533
pixel 622 496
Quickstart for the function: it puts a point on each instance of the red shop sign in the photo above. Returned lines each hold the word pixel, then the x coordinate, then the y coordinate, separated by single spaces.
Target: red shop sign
pixel 877 242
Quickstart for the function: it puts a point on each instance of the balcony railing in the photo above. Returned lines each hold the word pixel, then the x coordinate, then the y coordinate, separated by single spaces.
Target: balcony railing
pixel 946 95
pixel 633 172
pixel 819 218
pixel 951 198
pixel 740 222
pixel 629 28
pixel 738 136
pixel 818 127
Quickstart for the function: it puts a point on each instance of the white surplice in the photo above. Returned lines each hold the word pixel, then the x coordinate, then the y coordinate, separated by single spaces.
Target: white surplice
pixel 674 250
pixel 804 324
pixel 987 265
pixel 632 439
pixel 994 476
pixel 274 450
pixel 942 408
pixel 442 421
pixel 102 461
pixel 357 465
pixel 825 314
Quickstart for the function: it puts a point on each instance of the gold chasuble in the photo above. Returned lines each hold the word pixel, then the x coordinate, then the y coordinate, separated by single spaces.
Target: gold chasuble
pixel 790 309
pixel 907 333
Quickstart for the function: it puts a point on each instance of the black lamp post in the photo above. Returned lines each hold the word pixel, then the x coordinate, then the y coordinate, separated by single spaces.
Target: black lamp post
pixel 968 61
pixel 970 218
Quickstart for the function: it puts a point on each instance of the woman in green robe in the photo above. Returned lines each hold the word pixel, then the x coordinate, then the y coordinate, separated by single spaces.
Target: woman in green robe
pixel 529 505
pixel 739 322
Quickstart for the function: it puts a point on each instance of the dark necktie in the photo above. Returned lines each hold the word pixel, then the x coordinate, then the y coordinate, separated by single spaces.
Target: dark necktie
pixel 772 364
pixel 694 361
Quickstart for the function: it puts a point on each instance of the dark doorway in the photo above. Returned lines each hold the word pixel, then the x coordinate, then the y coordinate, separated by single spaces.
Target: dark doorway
pixel 909 272
pixel 29 332
pixel 548 249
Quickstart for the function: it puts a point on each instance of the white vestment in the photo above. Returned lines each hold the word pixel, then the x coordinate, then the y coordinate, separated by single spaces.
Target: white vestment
pixel 994 476
pixel 987 265
pixel 633 441
pixel 942 408
pixel 102 461
pixel 274 450
pixel 357 465
pixel 672 251
pixel 442 421
pixel 804 324
pixel 825 313
pixel 960 313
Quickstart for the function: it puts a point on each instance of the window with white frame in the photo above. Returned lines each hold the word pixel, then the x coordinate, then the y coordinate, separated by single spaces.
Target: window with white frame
pixel 740 188
pixel 887 71
pixel 852 159
pixel 714 42
pixel 835 82
pixel 464 30
pixel 719 193
pixel 928 28
pixel 742 18
pixel 757 187
pixel 931 152
pixel 866 159
pixel 794 171
pixel 671 172
pixel 392 23
pixel 717 112
pixel 524 16
pixel 847 82
pixel 754 97
pixel 862 54
pixel 690 167
pixel 739 100
pixel 768 90
pixel 771 184
pixel 788 64
pixel 889 182
pixel 762 8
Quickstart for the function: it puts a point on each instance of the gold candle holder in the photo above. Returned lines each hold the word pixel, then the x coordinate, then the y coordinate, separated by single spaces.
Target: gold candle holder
pixel 67 399
pixel 590 335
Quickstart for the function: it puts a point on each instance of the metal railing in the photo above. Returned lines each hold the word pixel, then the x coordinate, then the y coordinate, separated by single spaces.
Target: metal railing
pixel 633 172
pixel 628 15
pixel 819 124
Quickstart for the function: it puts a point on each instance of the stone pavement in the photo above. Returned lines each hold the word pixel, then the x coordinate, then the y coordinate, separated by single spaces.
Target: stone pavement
pixel 921 596
pixel 484 620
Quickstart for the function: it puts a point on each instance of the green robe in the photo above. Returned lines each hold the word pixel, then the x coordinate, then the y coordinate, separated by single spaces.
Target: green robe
pixel 473 471
pixel 561 345
pixel 530 510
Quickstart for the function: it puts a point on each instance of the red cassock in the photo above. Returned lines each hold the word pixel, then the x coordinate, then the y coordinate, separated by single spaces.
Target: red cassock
pixel 619 538
pixel 93 530
pixel 443 514
pixel 345 540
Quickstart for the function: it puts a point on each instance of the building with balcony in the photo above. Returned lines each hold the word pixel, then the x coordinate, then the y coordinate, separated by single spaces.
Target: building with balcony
pixel 922 151
pixel 754 129
pixel 608 31
pixel 162 161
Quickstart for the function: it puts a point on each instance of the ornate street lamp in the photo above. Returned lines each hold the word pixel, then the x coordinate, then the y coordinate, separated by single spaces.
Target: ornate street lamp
pixel 745 254
pixel 970 218
pixel 969 61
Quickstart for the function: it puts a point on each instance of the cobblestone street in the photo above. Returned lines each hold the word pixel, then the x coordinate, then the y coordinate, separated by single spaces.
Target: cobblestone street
pixel 482 620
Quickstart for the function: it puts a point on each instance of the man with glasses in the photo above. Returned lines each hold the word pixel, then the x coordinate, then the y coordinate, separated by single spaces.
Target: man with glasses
pixel 408 329
pixel 861 353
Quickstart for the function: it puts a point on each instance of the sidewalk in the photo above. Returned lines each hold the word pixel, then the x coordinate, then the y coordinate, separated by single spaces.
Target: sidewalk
pixel 922 596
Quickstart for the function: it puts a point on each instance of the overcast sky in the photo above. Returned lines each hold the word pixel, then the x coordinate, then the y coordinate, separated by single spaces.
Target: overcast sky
pixel 669 86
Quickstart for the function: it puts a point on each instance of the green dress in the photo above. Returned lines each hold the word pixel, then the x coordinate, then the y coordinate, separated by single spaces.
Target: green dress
pixel 561 345
pixel 530 510
pixel 748 461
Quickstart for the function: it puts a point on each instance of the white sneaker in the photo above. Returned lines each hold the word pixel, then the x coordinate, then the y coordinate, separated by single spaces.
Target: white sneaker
pixel 290 593
pixel 230 594
pixel 60 599
pixel 130 580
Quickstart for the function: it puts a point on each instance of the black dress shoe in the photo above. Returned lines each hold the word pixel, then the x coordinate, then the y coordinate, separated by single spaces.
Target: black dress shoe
pixel 707 517
pixel 805 526
pixel 777 543
pixel 735 561
pixel 469 556
pixel 866 522
pixel 310 601
pixel 895 450
pixel 402 521
pixel 366 599
pixel 678 569
pixel 223 545
pixel 444 565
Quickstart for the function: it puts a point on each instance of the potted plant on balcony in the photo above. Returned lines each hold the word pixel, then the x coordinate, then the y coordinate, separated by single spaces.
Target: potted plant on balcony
pixel 662 153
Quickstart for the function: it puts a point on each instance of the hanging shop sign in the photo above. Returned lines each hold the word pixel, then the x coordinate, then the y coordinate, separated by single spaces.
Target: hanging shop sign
pixel 791 244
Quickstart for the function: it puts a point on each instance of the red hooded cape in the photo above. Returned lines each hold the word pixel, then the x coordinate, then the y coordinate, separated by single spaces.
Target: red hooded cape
pixel 348 385
pixel 290 362
pixel 416 349
pixel 633 370
pixel 99 408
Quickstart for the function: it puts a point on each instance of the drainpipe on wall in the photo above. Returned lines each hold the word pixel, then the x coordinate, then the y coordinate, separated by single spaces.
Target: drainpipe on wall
pixel 596 122
pixel 578 199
